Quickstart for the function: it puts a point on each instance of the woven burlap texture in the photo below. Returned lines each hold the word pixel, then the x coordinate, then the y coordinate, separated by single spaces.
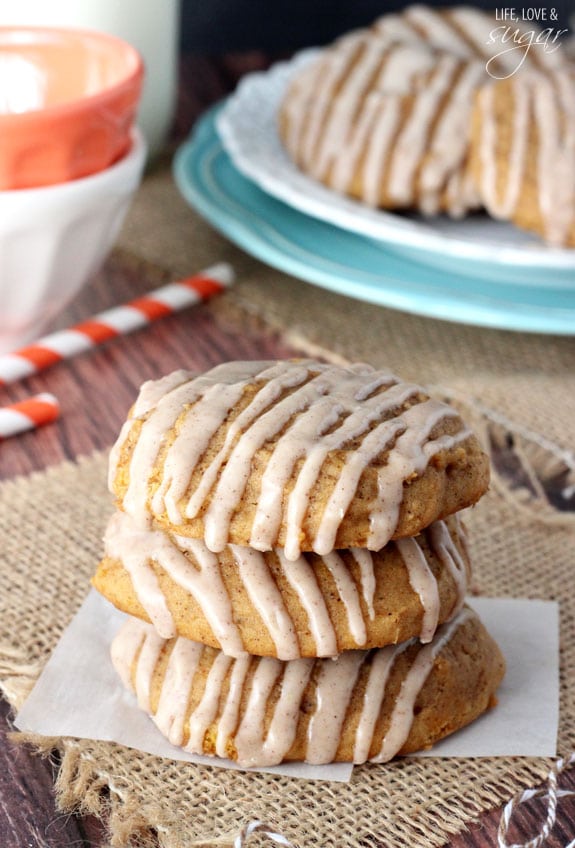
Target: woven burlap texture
pixel 51 525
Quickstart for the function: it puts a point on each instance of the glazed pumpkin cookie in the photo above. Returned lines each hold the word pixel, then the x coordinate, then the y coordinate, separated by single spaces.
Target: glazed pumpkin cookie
pixel 523 152
pixel 385 123
pixel 245 601
pixel 298 455
pixel 365 705
pixel 472 34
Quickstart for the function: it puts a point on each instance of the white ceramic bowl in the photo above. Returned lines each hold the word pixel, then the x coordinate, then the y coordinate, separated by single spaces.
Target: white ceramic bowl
pixel 53 239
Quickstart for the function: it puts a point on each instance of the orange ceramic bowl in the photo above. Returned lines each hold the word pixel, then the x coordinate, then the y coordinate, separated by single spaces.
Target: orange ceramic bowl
pixel 68 100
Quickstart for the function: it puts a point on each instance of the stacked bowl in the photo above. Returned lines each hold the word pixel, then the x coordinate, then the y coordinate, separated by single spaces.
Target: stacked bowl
pixel 71 159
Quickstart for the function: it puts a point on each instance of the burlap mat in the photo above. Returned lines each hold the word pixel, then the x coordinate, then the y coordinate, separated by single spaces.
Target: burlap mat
pixel 51 526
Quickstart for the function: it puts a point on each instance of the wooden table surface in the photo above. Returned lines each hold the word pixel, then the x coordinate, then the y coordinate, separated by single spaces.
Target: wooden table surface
pixel 96 390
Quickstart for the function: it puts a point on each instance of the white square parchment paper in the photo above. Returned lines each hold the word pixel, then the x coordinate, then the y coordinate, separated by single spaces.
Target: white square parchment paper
pixel 80 695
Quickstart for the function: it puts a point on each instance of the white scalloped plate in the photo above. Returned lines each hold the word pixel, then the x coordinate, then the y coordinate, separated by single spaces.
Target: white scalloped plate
pixel 476 246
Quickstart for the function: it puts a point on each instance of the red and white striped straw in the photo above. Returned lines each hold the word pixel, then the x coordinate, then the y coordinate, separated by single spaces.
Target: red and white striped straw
pixel 28 414
pixel 114 322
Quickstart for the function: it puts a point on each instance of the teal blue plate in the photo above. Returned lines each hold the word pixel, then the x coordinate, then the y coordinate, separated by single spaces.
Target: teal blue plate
pixel 345 262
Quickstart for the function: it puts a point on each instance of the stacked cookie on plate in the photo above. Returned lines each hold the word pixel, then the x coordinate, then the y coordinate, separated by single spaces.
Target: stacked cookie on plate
pixel 289 553
pixel 441 111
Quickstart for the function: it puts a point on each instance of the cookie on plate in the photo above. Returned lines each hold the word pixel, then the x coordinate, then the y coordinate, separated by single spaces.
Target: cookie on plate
pixel 523 152
pixel 298 455
pixel 242 600
pixel 386 123
pixel 504 47
pixel 364 705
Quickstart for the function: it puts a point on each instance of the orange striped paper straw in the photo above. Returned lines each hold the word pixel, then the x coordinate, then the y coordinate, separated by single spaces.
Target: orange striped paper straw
pixel 114 322
pixel 28 414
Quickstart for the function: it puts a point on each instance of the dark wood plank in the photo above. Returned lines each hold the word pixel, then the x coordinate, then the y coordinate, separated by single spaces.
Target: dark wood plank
pixel 525 824
pixel 27 814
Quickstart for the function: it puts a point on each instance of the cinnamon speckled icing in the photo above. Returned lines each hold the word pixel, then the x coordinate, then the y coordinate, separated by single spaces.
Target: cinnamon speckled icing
pixel 299 415
pixel 386 122
pixel 200 572
pixel 539 116
pixel 384 113
pixel 253 707
pixel 470 33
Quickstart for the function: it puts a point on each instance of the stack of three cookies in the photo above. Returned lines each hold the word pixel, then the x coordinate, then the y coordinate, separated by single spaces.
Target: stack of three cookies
pixel 293 591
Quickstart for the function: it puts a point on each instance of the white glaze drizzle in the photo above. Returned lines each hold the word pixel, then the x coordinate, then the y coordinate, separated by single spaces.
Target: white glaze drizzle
pixel 158 406
pixel 423 582
pixel 194 435
pixel 469 33
pixel 342 114
pixel 125 648
pixel 209 589
pixel 206 710
pixel 410 456
pixel 402 714
pixel 437 30
pixel 253 745
pixel 382 663
pixel 229 718
pixel 413 140
pixel 201 576
pixel 134 547
pixel 364 559
pixel 150 393
pixel 451 134
pixel 370 108
pixel 335 684
pixel 147 658
pixel 327 77
pixel 175 692
pixel 501 204
pixel 301 578
pixel 368 111
pixel 446 550
pixel 356 424
pixel 281 376
pixel 235 473
pixel 283 726
pixel 146 450
pixel 421 577
pixel 335 680
pixel 267 600
pixel 543 109
pixel 348 593
pixel 303 411
pixel 383 125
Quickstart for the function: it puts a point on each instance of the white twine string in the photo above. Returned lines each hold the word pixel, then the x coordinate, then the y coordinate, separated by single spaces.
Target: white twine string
pixel 552 794
pixel 260 827
pixel 565 456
